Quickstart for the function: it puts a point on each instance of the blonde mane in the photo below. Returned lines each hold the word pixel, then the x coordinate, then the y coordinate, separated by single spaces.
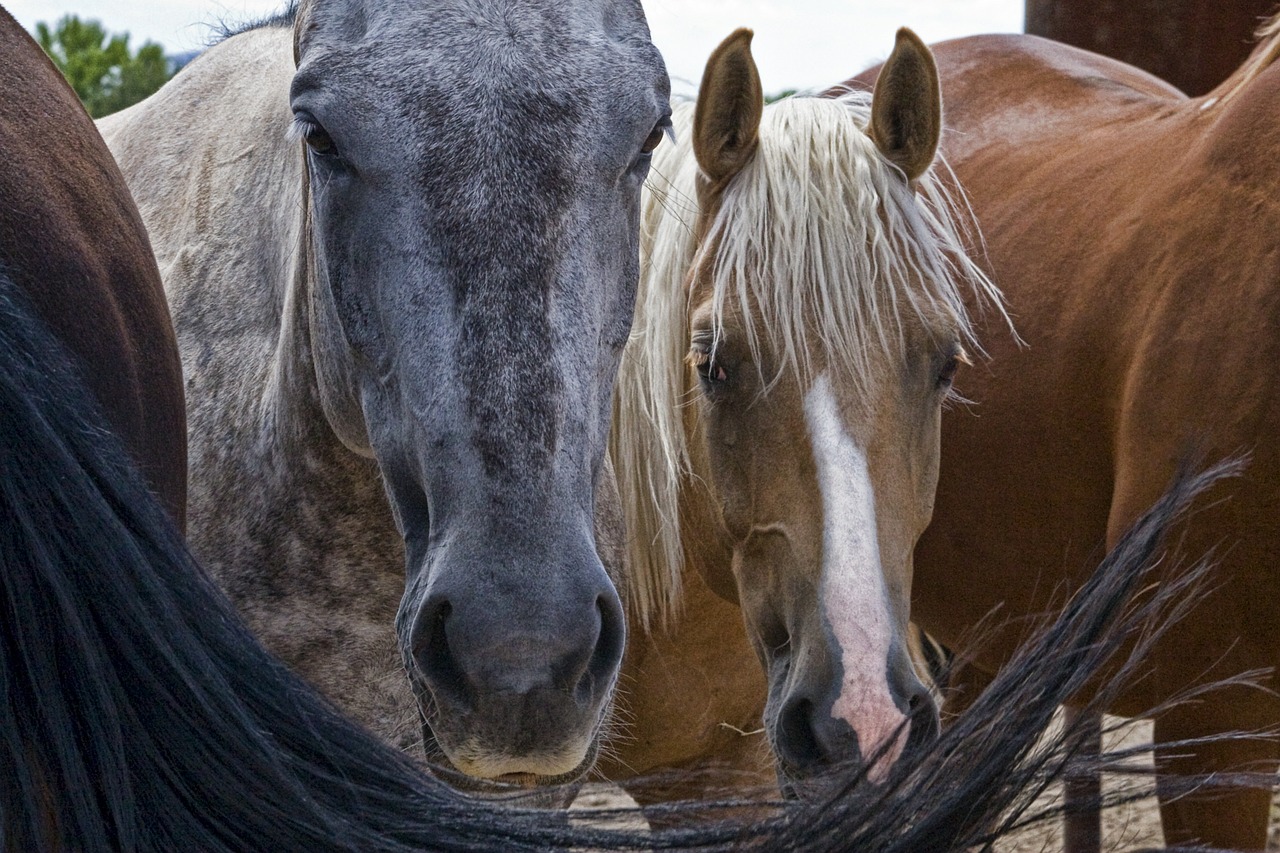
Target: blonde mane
pixel 821 236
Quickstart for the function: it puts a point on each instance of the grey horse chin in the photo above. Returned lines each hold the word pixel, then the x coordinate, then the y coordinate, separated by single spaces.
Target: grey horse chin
pixel 535 790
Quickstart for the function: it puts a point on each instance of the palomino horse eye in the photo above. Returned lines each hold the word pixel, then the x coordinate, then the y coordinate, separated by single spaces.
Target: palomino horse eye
pixel 710 372
pixel 950 366
pixel 948 372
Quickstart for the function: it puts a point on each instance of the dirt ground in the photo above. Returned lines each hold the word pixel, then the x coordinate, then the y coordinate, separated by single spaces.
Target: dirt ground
pixel 1135 826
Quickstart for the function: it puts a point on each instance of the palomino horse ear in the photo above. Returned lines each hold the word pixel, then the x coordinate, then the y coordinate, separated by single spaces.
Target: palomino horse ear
pixel 726 122
pixel 906 109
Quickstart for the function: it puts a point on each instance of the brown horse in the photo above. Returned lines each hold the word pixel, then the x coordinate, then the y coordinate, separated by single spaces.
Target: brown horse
pixel 1136 234
pixel 777 420
pixel 101 297
pixel 1193 44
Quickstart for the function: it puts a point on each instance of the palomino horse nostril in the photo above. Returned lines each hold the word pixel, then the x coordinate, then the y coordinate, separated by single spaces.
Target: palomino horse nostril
pixel 924 725
pixel 797 742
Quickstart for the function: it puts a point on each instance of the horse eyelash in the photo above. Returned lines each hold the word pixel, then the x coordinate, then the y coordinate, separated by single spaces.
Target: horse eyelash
pixel 298 129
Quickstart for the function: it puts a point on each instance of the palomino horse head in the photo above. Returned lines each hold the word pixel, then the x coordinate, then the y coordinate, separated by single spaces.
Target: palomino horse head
pixel 475 172
pixel 822 324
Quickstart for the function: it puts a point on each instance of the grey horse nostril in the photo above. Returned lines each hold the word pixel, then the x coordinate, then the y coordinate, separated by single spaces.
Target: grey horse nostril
pixel 607 652
pixel 435 658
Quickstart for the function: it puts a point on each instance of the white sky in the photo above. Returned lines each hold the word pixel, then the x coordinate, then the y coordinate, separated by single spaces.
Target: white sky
pixel 799 44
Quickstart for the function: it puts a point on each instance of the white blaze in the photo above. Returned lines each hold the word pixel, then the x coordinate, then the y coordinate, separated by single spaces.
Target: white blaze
pixel 853 588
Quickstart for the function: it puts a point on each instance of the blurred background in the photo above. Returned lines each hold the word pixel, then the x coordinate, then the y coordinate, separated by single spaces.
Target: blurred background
pixel 800 44
pixel 117 51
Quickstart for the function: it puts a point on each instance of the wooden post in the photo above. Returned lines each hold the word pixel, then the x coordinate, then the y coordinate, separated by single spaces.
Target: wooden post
pixel 1082 826
pixel 1193 44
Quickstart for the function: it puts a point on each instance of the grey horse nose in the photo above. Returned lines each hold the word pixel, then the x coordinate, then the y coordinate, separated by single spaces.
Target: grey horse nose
pixel 466 650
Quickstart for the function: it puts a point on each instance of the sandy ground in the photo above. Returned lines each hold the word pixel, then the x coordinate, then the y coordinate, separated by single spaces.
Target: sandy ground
pixel 1135 826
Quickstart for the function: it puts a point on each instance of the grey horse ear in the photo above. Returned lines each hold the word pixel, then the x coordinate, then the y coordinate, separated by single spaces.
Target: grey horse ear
pixel 726 121
pixel 906 109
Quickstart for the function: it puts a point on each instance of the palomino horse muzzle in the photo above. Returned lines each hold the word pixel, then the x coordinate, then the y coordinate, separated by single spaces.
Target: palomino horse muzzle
pixel 810 737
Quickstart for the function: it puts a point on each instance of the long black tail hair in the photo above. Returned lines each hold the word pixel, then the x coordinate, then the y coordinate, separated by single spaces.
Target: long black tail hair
pixel 137 713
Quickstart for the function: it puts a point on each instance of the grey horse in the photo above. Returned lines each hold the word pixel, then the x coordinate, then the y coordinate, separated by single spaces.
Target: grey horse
pixel 399 241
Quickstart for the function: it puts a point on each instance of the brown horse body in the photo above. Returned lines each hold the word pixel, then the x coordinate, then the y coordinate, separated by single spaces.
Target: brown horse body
pixel 1193 44
pixel 1136 235
pixel 71 239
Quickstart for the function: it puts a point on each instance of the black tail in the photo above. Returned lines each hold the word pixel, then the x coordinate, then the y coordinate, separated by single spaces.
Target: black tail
pixel 137 713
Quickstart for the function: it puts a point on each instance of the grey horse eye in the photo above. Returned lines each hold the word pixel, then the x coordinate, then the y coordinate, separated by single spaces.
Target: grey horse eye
pixel 654 138
pixel 318 140
pixel 315 136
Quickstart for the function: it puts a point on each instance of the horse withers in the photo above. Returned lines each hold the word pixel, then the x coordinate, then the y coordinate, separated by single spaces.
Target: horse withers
pixel 1136 233
pixel 400 245
pixel 777 425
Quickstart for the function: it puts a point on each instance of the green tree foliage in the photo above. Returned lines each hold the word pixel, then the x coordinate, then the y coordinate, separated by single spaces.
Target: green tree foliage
pixel 100 68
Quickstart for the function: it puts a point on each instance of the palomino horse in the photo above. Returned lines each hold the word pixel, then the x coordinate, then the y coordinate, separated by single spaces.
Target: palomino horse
pixel 400 245
pixel 54 213
pixel 1136 233
pixel 776 432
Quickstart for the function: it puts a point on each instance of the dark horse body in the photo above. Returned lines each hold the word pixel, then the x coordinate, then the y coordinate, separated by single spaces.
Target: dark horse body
pixel 137 713
pixel 54 213
pixel 1136 235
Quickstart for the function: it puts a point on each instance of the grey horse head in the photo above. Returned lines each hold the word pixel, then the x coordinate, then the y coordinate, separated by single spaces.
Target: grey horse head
pixel 474 178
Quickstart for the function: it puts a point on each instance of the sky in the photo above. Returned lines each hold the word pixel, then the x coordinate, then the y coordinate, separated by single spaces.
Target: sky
pixel 799 44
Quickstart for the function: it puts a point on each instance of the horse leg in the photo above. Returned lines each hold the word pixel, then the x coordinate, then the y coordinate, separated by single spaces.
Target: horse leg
pixel 1082 790
pixel 1082 824
pixel 1233 818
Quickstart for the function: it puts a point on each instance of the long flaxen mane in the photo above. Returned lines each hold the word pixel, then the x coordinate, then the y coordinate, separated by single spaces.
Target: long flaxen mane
pixel 818 240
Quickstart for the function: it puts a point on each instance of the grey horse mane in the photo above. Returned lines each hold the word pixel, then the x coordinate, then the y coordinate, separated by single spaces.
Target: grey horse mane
pixel 226 29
